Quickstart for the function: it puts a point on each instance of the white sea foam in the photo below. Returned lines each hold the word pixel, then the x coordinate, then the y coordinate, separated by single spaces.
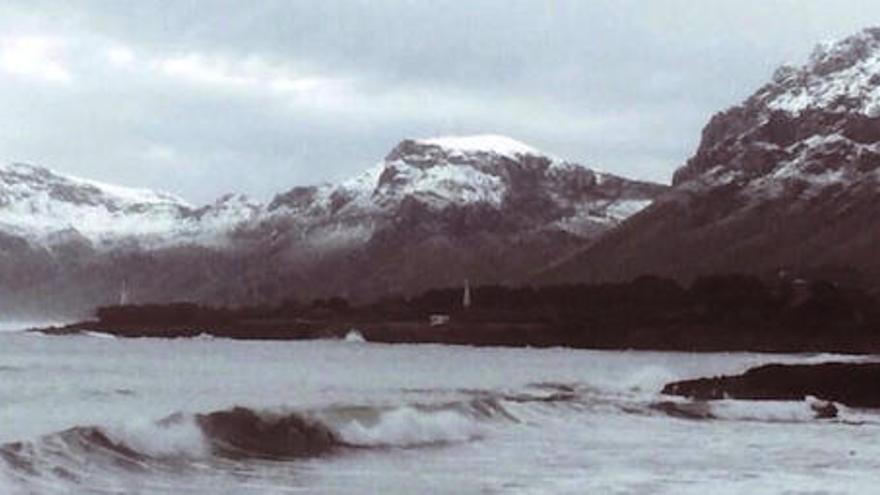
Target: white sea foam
pixel 354 336
pixel 99 335
pixel 411 427
pixel 178 437
pixel 768 411
pixel 18 326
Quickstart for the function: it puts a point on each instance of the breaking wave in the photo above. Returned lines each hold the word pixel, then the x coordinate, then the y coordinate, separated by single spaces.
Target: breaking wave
pixel 354 336
pixel 184 442
pixel 98 335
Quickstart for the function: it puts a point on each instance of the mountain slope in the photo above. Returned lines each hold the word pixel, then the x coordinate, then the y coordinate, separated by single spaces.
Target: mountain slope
pixel 436 211
pixel 789 178
pixel 430 214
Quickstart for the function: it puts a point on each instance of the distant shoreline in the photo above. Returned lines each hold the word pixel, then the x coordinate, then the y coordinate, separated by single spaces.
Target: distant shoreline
pixel 479 334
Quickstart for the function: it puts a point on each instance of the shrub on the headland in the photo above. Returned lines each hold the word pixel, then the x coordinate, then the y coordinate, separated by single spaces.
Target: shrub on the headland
pixel 174 313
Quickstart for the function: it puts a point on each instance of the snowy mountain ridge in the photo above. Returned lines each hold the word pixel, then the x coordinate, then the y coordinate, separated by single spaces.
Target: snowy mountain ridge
pixel 432 212
pixel 38 203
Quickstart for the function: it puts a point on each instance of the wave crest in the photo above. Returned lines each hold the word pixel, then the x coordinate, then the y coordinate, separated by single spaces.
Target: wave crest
pixel 187 441
pixel 243 433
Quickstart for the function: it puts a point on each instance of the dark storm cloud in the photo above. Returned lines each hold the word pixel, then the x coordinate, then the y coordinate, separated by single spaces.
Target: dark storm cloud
pixel 205 97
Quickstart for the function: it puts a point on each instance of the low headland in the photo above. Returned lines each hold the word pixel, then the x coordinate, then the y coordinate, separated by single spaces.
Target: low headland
pixel 730 312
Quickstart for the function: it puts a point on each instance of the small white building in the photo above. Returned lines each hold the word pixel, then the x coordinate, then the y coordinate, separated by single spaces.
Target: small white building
pixel 438 320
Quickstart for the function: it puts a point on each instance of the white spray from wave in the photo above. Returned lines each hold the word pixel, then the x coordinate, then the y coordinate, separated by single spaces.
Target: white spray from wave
pixel 412 427
pixel 180 437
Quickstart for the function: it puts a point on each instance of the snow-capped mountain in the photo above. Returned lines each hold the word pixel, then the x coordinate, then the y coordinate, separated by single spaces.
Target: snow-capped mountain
pixel 455 172
pixel 435 211
pixel 46 208
pixel 38 203
pixel 788 178
pixel 431 213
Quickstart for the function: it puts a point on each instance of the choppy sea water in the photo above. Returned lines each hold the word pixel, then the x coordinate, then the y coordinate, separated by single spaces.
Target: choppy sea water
pixel 97 415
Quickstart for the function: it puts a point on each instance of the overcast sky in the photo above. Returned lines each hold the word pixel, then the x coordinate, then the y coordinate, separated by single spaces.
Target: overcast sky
pixel 200 98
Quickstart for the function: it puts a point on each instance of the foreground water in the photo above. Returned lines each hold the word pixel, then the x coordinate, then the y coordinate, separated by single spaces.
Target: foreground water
pixel 88 414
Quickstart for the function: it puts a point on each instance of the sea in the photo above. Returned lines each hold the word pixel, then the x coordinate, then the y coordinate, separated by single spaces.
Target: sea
pixel 93 414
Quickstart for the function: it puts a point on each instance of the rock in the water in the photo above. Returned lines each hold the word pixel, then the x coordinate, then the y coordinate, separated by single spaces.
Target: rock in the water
pixel 823 409
pixel 852 384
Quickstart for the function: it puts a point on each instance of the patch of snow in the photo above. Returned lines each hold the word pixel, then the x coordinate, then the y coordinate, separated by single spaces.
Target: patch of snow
pixel 793 102
pixel 622 209
pixel 366 181
pixel 130 194
pixel 489 143
pixel 567 166
pixel 584 222
pixel 773 185
pixel 812 88
pixel 213 227
pixel 593 216
pixel 339 235
pixel 447 184
pixel 713 177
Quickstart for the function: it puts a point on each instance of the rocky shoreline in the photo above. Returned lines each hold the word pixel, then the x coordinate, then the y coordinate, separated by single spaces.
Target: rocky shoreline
pixel 457 332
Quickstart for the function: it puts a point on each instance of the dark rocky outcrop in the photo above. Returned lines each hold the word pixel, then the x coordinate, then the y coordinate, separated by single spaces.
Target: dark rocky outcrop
pixel 787 178
pixel 852 384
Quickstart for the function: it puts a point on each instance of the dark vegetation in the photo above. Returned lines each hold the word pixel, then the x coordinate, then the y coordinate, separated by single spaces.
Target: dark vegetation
pixel 719 312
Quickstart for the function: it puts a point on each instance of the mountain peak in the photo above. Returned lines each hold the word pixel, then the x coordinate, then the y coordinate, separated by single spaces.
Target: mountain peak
pixel 473 146
pixel 818 123
pixel 832 56
pixel 840 76
pixel 789 177
pixel 485 143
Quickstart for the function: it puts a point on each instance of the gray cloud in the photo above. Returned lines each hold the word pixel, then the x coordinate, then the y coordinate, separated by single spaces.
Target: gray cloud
pixel 204 97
